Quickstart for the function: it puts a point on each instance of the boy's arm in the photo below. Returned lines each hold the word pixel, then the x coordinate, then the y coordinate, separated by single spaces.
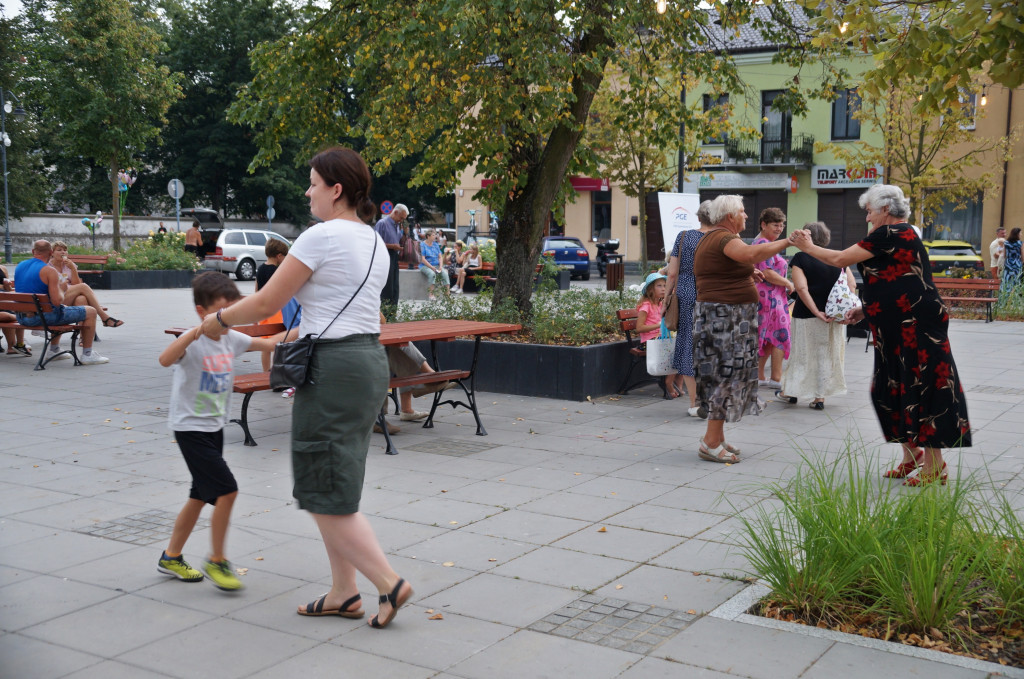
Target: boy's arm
pixel 176 349
pixel 265 343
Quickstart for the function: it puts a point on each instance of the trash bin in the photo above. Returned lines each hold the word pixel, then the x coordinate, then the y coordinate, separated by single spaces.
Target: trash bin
pixel 614 272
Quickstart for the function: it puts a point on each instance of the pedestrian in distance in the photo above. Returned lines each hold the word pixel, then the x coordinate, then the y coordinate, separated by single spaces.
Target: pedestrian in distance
pixel 200 401
pixel 389 228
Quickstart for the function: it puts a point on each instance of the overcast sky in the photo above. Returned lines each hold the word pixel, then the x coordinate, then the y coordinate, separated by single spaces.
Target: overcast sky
pixel 12 8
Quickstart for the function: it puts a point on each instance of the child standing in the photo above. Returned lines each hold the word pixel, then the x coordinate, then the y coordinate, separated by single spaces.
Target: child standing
pixel 200 395
pixel 648 317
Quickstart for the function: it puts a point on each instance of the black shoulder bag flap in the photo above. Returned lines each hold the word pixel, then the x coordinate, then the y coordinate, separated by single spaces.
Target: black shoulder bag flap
pixel 292 359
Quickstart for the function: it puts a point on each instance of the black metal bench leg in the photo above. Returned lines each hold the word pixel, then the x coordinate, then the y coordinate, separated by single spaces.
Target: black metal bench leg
pixel 244 421
pixel 383 424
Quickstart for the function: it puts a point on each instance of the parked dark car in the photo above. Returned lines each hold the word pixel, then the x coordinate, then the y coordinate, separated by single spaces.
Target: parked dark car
pixel 568 254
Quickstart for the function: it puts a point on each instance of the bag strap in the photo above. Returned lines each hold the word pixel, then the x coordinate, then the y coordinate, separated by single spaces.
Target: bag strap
pixel 373 256
pixel 664 330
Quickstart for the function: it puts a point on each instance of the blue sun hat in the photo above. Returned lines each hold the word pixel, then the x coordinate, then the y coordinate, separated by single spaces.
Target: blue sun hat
pixel 649 281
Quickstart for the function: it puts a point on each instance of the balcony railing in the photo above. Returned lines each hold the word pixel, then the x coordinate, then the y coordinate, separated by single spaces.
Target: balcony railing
pixel 796 151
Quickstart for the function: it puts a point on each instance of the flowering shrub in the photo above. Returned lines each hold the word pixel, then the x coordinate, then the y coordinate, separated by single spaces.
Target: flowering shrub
pixel 161 251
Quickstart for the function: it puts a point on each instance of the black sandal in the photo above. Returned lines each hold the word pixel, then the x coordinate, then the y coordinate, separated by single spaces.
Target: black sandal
pixel 112 322
pixel 396 603
pixel 316 608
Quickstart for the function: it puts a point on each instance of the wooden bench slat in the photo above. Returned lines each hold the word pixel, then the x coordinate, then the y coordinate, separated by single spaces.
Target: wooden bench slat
pixel 428 378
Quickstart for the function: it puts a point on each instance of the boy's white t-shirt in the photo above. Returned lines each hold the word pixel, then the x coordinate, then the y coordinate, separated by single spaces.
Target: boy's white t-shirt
pixel 338 251
pixel 202 381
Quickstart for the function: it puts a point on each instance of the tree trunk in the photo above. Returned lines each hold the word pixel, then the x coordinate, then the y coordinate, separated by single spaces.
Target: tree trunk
pixel 116 212
pixel 526 211
pixel 642 217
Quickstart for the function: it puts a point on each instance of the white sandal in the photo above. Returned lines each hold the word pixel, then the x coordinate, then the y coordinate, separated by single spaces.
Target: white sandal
pixel 719 453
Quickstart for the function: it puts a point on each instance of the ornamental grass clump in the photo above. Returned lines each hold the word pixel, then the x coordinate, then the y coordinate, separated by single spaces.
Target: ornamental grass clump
pixel 845 546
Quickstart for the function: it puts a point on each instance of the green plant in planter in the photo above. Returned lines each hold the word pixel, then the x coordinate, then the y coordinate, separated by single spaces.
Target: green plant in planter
pixel 158 252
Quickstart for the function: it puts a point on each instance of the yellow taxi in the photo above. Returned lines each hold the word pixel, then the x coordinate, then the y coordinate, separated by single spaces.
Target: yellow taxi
pixel 949 254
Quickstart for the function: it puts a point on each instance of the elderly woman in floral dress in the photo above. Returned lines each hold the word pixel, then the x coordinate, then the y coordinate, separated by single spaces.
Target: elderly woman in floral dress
pixel 772 302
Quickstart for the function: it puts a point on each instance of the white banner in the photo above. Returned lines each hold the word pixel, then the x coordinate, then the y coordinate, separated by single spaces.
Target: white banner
pixel 678 213
pixel 736 180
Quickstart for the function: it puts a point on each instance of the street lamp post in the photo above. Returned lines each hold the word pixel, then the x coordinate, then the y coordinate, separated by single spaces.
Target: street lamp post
pixel 19 113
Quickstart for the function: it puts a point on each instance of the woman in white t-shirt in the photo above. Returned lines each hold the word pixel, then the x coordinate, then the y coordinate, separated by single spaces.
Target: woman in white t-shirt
pixel 337 265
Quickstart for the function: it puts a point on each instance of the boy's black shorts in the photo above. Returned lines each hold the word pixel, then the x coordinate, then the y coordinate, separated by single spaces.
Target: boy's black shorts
pixel 204 455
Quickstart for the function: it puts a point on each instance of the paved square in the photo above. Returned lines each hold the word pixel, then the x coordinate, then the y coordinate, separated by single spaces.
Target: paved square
pixel 576 550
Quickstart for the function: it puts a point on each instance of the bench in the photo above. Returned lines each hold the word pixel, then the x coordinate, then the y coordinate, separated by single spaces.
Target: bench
pixel 637 355
pixel 93 260
pixel 249 384
pixel 28 302
pixel 979 291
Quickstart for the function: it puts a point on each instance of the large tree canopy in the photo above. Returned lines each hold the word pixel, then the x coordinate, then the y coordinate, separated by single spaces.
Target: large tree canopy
pixel 502 85
pixel 942 42
pixel 98 81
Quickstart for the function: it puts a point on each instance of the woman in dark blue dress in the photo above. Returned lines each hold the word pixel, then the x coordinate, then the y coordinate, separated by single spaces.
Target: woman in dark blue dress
pixel 680 278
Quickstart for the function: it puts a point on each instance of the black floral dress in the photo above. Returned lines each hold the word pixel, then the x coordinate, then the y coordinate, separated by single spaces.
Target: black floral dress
pixel 915 389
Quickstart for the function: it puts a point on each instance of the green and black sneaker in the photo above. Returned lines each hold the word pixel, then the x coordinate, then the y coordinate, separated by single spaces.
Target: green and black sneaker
pixel 222 575
pixel 178 567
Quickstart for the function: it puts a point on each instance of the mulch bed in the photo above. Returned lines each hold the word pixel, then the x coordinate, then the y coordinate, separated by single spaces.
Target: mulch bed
pixel 974 633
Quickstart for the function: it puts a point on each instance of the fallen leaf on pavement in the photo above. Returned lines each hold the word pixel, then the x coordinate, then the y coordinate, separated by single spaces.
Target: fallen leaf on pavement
pixel 241 571
pixel 430 611
pixel 438 616
pixel 448 564
pixel 453 523
pixel 618 586
pixel 492 560
pixel 602 529
pixel 259 558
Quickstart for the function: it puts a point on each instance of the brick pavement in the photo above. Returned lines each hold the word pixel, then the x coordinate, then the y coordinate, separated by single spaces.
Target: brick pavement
pixel 577 539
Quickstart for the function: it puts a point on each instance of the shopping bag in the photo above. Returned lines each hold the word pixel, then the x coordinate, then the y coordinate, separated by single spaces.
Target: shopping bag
pixel 660 352
pixel 840 299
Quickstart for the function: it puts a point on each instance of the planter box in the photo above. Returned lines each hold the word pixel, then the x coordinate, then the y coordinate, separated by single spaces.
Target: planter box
pixel 567 373
pixel 130 280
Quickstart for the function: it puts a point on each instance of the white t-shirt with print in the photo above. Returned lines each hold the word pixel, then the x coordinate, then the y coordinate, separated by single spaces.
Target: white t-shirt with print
pixel 338 252
pixel 202 381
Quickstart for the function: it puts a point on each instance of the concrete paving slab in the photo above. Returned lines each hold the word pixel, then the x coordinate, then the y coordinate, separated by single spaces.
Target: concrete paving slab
pixel 658 668
pixel 516 524
pixel 25 657
pixel 110 669
pixel 564 568
pixel 502 600
pixel 471 551
pixel 328 662
pixel 682 591
pixel 34 600
pixel 620 543
pixel 845 660
pixel 741 649
pixel 529 654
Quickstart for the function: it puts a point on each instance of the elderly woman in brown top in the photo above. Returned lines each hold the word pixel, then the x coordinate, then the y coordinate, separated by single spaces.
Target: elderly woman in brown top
pixel 725 324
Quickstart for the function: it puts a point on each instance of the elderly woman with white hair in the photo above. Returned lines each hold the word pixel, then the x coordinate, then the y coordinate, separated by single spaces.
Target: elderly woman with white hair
pixel 725 324
pixel 915 389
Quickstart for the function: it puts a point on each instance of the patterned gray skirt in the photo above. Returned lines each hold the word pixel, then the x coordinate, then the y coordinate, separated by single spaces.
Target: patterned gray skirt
pixel 725 359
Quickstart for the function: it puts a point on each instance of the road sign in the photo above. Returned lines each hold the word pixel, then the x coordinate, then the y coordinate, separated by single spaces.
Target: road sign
pixel 386 207
pixel 271 213
pixel 176 189
pixel 270 202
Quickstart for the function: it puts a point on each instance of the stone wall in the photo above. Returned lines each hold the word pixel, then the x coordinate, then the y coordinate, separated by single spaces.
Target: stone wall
pixel 68 228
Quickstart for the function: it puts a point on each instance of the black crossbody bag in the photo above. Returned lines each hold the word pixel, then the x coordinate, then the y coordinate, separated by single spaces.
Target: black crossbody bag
pixel 292 359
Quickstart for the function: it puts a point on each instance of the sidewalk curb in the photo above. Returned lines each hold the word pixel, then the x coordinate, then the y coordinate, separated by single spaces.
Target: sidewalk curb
pixel 735 610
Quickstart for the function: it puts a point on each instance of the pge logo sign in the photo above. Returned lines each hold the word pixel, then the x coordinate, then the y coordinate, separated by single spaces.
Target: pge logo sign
pixel 681 217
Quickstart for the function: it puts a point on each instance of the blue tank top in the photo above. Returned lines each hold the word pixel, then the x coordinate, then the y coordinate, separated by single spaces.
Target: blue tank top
pixel 27 278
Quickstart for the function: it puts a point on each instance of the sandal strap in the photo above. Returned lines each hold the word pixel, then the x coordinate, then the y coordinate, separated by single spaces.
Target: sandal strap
pixel 316 606
pixel 392 597
pixel 351 600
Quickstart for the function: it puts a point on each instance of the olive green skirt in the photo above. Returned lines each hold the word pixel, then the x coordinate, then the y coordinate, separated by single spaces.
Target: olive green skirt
pixel 332 418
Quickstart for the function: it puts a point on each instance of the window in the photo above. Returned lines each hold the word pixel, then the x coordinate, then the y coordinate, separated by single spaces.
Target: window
pixel 600 215
pixel 234 238
pixel 720 117
pixel 949 223
pixel 844 125
pixel 970 103
pixel 776 128
pixel 256 238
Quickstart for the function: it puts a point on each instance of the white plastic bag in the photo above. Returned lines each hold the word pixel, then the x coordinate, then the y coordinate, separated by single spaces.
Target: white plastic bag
pixel 659 353
pixel 840 299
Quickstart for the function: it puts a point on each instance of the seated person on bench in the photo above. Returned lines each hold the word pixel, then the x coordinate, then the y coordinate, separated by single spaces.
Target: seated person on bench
pixel 34 276
pixel 15 338
pixel 403 362
pixel 76 293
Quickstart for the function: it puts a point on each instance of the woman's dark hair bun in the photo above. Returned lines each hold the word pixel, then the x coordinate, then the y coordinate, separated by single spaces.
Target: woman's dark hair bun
pixel 341 165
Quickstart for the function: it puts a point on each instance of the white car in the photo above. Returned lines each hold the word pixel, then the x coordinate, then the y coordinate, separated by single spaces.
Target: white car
pixel 240 251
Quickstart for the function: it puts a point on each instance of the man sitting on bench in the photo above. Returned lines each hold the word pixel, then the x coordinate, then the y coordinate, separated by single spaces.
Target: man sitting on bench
pixel 34 276
pixel 403 362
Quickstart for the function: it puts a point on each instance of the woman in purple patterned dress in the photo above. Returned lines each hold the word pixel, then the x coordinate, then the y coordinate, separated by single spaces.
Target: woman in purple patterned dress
pixel 772 302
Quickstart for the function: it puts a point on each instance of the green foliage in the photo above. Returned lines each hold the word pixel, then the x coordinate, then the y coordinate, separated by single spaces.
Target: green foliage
pixel 97 80
pixel 839 544
pixel 1010 306
pixel 442 79
pixel 158 252
pixel 945 41
pixel 574 317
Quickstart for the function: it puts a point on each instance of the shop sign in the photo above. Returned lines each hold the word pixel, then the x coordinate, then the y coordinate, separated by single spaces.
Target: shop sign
pixel 737 180
pixel 578 183
pixel 842 177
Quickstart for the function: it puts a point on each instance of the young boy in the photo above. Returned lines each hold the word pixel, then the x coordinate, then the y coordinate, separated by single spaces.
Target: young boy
pixel 200 396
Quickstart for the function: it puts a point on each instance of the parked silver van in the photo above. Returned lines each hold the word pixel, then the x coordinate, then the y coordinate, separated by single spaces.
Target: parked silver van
pixel 240 251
